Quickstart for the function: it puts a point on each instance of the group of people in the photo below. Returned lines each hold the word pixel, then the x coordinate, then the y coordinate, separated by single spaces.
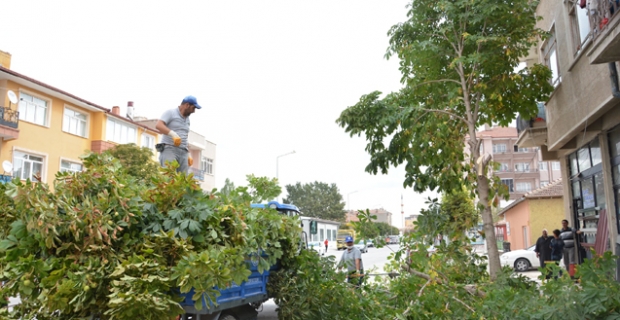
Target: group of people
pixel 557 246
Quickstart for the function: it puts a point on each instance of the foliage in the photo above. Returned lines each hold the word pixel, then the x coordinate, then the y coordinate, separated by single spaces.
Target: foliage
pixel 104 244
pixel 452 217
pixel 137 161
pixel 317 199
pixel 458 61
pixel 449 284
pixel 228 187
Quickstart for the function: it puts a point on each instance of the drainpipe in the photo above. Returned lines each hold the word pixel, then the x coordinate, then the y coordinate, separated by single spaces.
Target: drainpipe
pixel 613 75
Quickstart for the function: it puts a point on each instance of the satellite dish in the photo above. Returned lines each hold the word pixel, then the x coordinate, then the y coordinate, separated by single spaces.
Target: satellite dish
pixel 12 96
pixel 7 166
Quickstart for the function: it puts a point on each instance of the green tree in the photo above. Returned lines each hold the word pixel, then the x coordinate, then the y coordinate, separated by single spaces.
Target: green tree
pixel 386 229
pixel 317 199
pixel 137 161
pixel 458 64
pixel 228 187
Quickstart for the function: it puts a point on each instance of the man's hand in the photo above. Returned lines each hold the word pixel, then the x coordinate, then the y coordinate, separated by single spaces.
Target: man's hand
pixel 175 137
pixel 190 161
pixel 537 255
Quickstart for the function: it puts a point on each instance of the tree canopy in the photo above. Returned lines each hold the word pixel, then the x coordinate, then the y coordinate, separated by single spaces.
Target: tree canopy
pixel 317 199
pixel 458 60
pixel 137 161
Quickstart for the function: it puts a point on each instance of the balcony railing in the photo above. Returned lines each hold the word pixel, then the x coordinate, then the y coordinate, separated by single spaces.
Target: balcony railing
pixel 538 121
pixel 9 117
pixel 601 12
pixel 198 174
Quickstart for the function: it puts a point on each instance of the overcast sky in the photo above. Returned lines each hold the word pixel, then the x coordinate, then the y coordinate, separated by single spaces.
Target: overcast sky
pixel 272 77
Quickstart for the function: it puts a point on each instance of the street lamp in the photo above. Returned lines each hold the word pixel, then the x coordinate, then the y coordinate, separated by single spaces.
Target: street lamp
pixel 349 203
pixel 278 159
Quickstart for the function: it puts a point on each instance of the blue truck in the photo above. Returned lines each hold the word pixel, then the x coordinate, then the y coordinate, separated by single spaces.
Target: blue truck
pixel 239 301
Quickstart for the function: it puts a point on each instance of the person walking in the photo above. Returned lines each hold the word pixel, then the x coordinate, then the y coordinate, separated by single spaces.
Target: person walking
pixel 174 124
pixel 543 248
pixel 326 244
pixel 352 260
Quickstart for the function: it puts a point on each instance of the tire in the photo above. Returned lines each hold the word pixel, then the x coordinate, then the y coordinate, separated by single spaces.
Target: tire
pixel 522 265
pixel 228 317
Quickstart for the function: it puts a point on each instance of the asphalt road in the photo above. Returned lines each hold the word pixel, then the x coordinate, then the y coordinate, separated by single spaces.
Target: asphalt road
pixel 373 260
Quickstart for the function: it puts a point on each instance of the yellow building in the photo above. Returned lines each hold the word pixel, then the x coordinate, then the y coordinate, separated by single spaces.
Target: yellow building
pixel 44 130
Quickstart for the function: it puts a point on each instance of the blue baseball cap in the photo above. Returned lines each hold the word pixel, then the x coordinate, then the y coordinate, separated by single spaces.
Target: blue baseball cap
pixel 191 100
pixel 348 239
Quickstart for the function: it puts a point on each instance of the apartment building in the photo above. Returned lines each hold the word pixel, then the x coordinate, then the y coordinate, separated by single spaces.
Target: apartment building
pixel 44 129
pixel 201 150
pixel 580 125
pixel 521 169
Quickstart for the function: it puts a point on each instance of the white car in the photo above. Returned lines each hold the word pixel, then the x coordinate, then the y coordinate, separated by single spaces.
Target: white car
pixel 521 260
pixel 362 246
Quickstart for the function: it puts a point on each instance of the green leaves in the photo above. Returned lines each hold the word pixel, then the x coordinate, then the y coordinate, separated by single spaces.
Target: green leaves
pixel 317 199
pixel 108 244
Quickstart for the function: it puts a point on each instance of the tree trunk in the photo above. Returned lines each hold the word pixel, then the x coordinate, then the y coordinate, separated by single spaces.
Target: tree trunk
pixel 489 229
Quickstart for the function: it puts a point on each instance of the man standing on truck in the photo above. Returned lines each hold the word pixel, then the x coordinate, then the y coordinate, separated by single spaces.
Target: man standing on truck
pixel 352 260
pixel 174 124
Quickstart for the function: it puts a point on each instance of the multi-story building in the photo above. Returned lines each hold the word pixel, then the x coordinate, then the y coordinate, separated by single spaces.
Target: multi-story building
pixel 521 169
pixel 410 221
pixel 382 215
pixel 580 125
pixel 44 130
pixel 201 150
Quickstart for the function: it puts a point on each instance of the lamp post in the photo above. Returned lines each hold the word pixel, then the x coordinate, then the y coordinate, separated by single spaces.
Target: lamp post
pixel 349 203
pixel 278 159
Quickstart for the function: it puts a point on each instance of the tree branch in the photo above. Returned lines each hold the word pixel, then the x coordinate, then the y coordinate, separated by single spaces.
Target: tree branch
pixel 466 306
pixel 436 81
pixel 446 112
pixel 424 286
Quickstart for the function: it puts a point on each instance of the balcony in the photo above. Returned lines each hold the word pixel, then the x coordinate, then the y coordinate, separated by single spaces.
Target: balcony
pixel 198 174
pixel 533 132
pixel 604 20
pixel 9 121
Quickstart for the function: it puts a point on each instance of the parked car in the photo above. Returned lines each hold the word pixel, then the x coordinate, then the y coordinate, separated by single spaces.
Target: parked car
pixel 370 243
pixel 362 246
pixel 521 260
pixel 317 246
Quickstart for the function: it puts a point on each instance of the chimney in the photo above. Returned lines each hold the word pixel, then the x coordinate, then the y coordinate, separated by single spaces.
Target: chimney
pixel 130 110
pixel 116 110
pixel 487 127
pixel 5 59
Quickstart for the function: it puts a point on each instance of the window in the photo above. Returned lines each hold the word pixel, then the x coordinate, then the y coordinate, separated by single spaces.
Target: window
pixel 580 25
pixel 524 187
pixel 509 184
pixel 544 183
pixel 68 166
pixel 517 149
pixel 74 122
pixel 555 165
pixel 522 167
pixel 148 141
pixel 503 167
pixel 551 58
pixel 32 109
pixel 119 132
pixel 499 148
pixel 542 166
pixel 206 165
pixel 27 165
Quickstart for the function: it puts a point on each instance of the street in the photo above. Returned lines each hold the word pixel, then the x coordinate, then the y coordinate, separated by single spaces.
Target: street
pixel 373 260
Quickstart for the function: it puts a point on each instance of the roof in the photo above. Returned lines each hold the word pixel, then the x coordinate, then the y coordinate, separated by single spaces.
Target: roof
pixel 552 190
pixel 47 86
pixel 41 86
pixel 275 205
pixel 498 132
